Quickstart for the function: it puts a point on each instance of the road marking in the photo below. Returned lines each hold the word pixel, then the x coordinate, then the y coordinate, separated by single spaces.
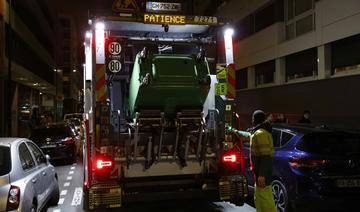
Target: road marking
pixel 71 172
pixel 77 196
pixel 73 167
pixel 56 210
pixel 61 201
pixel 74 164
pixel 69 178
pixel 66 184
pixel 63 192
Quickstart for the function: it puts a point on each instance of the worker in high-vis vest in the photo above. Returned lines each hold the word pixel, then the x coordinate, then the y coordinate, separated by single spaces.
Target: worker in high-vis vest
pixel 261 152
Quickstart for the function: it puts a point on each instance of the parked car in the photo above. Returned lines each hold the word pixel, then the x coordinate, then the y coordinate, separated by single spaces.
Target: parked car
pixel 73 115
pixel 77 124
pixel 27 180
pixel 58 140
pixel 314 168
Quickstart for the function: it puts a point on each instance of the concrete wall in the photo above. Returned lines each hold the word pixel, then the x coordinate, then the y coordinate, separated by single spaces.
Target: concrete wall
pixel 332 101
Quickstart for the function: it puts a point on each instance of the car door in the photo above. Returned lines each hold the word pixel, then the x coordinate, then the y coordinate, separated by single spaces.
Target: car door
pixel 31 175
pixel 44 170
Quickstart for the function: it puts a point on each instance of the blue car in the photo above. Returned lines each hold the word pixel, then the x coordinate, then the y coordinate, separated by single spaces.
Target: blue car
pixel 314 168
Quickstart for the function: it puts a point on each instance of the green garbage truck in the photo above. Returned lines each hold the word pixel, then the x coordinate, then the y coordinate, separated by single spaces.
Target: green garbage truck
pixel 155 130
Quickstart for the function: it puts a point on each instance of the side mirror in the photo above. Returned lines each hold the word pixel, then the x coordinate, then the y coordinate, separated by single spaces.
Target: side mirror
pixel 47 159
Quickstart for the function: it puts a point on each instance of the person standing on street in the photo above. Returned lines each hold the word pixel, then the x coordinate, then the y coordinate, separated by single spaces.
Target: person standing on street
pixel 305 119
pixel 261 154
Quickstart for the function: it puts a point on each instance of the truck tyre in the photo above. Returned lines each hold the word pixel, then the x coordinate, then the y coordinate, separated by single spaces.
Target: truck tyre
pixel 239 201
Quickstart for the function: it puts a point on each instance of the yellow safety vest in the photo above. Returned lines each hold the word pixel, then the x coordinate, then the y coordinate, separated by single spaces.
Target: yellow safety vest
pixel 261 143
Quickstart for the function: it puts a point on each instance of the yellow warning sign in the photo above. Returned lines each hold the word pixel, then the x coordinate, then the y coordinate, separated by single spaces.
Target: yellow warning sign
pixel 228 108
pixel 125 6
pixel 220 88
pixel 220 71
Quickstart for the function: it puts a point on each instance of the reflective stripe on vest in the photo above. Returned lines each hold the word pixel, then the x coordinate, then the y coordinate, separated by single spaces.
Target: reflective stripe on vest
pixel 262 143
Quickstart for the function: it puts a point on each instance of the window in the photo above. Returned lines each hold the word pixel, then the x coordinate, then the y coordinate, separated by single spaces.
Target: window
pixel 25 56
pixel 301 64
pixel 265 17
pixel 333 144
pixel 276 137
pixel 264 72
pixel 302 6
pixel 39 156
pixel 300 17
pixel 241 78
pixel 343 57
pixel 260 19
pixel 27 162
pixel 245 27
pixel 5 160
pixel 285 137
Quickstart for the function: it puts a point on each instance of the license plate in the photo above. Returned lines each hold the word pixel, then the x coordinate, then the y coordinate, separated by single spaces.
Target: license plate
pixel 115 190
pixel 49 146
pixel 348 183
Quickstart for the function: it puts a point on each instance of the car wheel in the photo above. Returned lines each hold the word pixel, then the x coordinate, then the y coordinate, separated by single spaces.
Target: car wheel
pixel 280 196
pixel 55 196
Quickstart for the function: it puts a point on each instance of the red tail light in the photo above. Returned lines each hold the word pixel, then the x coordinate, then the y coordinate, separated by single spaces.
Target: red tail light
pixel 13 198
pixel 298 162
pixel 229 158
pixel 103 163
pixel 68 141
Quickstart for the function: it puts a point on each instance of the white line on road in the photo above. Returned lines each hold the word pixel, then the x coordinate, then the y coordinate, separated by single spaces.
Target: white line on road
pixel 77 196
pixel 61 201
pixel 63 192
pixel 71 172
pixel 69 178
pixel 56 210
pixel 73 167
pixel 66 184
pixel 74 164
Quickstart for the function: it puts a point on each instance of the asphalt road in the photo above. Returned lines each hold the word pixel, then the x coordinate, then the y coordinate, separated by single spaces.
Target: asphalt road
pixel 70 182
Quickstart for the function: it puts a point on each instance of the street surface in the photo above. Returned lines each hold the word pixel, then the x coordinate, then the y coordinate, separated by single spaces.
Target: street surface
pixel 70 182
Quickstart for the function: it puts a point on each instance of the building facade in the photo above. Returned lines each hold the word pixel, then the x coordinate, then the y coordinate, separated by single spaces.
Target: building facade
pixel 296 55
pixel 70 64
pixel 28 52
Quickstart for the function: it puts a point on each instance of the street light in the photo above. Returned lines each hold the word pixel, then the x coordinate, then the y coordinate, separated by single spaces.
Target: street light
pixel 229 32
pixel 229 54
pixel 100 26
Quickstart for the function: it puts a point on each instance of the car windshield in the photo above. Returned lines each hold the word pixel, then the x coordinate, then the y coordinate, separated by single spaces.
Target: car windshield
pixel 5 162
pixel 331 144
pixel 73 116
pixel 75 121
pixel 51 132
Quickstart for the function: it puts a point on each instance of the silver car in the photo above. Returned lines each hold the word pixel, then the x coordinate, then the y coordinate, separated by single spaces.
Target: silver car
pixel 27 180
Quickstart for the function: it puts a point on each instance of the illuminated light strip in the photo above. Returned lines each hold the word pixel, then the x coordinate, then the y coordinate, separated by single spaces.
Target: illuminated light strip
pixel 231 82
pixel 100 83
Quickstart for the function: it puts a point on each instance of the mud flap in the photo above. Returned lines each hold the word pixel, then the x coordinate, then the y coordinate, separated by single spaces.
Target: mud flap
pixel 233 189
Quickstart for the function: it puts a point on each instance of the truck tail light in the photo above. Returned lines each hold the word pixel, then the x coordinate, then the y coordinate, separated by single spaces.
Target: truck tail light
pixel 68 141
pixel 229 158
pixel 13 198
pixel 103 163
pixel 298 162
